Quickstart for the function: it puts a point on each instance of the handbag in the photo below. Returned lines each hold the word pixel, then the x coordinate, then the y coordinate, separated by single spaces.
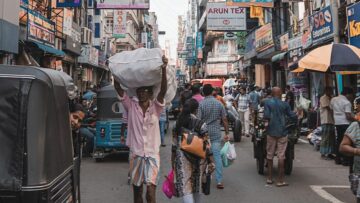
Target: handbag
pixel 192 142
pixel 168 186
pixel 206 181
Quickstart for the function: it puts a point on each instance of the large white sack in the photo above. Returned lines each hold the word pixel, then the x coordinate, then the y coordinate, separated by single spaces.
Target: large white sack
pixel 141 67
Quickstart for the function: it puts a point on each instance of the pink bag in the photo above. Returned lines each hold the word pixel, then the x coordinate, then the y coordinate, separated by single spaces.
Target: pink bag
pixel 168 186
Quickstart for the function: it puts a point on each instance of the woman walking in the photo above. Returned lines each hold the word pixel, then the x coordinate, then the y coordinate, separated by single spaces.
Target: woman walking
pixel 188 169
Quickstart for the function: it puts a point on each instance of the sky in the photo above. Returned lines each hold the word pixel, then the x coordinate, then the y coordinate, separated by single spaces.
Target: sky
pixel 167 12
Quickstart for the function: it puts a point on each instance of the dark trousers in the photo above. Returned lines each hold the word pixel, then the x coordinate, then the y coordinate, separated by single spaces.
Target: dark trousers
pixel 340 130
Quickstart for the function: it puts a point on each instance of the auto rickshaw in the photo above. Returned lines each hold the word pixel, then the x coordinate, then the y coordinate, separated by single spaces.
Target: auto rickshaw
pixel 111 125
pixel 258 132
pixel 37 162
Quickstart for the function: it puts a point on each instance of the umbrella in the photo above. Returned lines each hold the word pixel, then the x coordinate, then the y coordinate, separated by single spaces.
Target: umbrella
pixel 89 95
pixel 230 83
pixel 336 57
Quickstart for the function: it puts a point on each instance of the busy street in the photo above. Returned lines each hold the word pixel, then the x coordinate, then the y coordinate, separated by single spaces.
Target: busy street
pixel 184 101
pixel 107 181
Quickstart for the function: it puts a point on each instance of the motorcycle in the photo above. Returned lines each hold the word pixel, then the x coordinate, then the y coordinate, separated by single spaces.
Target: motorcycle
pixel 233 118
pixel 258 132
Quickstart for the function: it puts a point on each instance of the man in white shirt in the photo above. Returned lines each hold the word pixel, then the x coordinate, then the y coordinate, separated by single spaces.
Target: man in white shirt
pixel 342 110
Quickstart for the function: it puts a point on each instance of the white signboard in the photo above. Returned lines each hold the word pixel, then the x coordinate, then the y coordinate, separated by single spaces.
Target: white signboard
pixel 119 29
pixel 225 18
pixel 68 20
pixel 124 4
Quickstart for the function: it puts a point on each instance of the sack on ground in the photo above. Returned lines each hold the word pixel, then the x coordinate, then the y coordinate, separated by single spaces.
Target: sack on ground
pixel 141 67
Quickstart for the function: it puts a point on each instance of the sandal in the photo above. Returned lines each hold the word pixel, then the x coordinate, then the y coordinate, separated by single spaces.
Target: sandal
pixel 269 182
pixel 220 186
pixel 282 184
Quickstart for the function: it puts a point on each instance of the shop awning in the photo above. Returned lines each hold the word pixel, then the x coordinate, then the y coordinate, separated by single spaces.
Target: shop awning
pixel 278 57
pixel 49 49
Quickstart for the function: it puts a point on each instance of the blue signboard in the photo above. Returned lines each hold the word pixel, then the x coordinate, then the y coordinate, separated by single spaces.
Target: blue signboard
pixel 199 41
pixel 250 49
pixel 68 3
pixel 353 16
pixel 321 25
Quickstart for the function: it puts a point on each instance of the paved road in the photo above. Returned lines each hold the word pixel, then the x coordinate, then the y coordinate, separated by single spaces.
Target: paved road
pixel 313 180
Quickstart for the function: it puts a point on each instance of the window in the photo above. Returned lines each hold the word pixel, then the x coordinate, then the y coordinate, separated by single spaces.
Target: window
pixel 97 30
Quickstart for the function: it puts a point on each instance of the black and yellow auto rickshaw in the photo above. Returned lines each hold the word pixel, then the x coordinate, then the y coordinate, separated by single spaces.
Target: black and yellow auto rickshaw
pixel 37 162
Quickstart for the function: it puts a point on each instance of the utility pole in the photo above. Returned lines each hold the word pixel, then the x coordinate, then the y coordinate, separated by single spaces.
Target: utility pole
pixel 335 17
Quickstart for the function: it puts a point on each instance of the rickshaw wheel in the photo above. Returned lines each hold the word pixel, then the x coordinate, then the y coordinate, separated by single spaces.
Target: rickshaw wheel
pixel 237 131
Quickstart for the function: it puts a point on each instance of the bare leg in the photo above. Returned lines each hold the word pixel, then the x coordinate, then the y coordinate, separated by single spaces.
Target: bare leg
pixel 151 194
pixel 281 170
pixel 270 169
pixel 138 194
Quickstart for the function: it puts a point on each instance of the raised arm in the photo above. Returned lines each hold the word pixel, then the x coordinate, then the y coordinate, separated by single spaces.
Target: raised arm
pixel 118 88
pixel 163 87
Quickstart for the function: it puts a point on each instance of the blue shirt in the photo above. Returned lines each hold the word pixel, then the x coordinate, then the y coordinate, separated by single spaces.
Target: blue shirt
pixel 277 112
pixel 211 111
pixel 254 100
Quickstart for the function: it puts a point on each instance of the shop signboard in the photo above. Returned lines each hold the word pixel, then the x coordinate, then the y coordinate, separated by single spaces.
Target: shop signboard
pixel 306 39
pixel 225 18
pixel 40 29
pixel 284 39
pixel 295 43
pixel 295 50
pixel 217 69
pixel 353 17
pixel 199 45
pixel 250 49
pixel 68 20
pixel 264 37
pixel 119 26
pixel 89 55
pixel 123 4
pixel 248 3
pixel 321 25
pixel 241 42
pixel 68 3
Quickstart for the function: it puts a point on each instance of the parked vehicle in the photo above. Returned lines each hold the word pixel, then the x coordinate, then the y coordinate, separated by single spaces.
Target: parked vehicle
pixel 233 118
pixel 37 163
pixel 111 124
pixel 258 132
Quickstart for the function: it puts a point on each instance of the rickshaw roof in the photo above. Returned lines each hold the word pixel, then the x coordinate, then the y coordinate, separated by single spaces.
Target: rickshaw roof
pixel 107 92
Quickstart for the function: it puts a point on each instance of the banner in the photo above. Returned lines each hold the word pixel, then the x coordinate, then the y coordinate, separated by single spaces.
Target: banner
pixel 68 3
pixel 223 18
pixel 68 20
pixel 217 69
pixel 256 12
pixel 119 27
pixel 353 18
pixel 248 3
pixel 284 39
pixel 199 45
pixel 321 25
pixel 250 48
pixel 123 4
pixel 40 29
pixel 264 37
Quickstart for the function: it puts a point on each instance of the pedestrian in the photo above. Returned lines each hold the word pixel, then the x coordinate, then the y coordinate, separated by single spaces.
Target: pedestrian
pixel 188 169
pixel 185 94
pixel 290 97
pixel 254 99
pixel 217 95
pixel 143 136
pixel 196 92
pixel 242 103
pixel 276 114
pixel 212 112
pixel 350 146
pixel 162 124
pixel 342 110
pixel 77 116
pixel 327 125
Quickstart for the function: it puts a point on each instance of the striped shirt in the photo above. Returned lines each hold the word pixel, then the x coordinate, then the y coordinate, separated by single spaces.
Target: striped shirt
pixel 243 102
pixel 211 111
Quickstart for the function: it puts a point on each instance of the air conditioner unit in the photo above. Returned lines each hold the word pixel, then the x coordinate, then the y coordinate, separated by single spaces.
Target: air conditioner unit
pixel 86 35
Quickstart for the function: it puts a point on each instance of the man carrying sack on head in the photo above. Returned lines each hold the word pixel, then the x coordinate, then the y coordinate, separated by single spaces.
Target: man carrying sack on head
pixel 143 137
